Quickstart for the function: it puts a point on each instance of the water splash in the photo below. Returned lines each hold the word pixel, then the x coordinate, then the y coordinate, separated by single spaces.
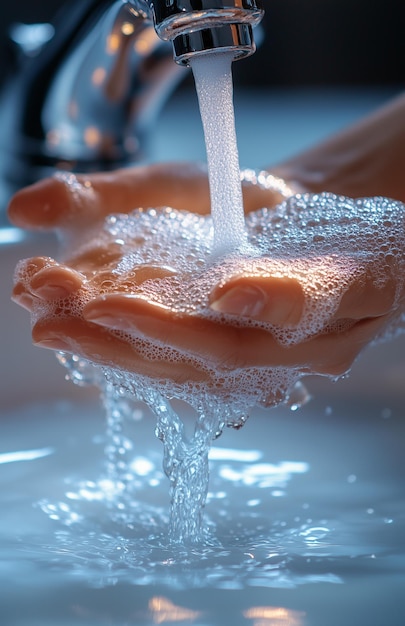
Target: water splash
pixel 185 464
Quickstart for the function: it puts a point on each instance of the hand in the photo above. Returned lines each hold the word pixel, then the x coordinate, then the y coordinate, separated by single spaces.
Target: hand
pixel 71 203
pixel 97 306
pixel 363 160
pixel 75 208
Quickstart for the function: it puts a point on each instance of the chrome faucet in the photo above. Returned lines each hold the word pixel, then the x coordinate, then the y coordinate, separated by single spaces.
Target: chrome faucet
pixel 201 26
pixel 86 99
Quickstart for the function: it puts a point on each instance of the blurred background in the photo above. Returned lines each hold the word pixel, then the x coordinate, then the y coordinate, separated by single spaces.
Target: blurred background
pixel 307 42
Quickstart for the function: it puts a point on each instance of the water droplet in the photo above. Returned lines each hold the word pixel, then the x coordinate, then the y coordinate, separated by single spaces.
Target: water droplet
pixel 298 397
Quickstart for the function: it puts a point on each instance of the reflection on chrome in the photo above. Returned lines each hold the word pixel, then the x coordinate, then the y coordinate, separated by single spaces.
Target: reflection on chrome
pixel 92 136
pixel 127 28
pixel 112 44
pixel 146 42
pixel 98 76
pixel 274 616
pixel 163 610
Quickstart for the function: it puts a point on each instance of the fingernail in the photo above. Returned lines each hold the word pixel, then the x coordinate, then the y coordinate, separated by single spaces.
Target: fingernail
pixel 54 343
pixel 51 292
pixel 55 282
pixel 244 301
pixel 115 321
pixel 25 300
pixel 104 319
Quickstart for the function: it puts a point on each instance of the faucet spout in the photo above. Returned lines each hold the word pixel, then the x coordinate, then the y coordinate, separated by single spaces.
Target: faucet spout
pixel 206 26
pixel 89 97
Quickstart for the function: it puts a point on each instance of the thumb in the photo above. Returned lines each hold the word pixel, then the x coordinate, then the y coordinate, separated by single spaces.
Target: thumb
pixel 276 300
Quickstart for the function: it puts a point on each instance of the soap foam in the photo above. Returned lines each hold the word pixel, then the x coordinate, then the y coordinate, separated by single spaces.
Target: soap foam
pixel 324 241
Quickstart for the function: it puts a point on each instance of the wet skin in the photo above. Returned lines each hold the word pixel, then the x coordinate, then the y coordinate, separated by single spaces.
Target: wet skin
pixel 77 212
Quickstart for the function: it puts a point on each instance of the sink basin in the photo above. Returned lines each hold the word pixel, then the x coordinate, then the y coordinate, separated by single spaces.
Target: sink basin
pixel 306 510
pixel 306 507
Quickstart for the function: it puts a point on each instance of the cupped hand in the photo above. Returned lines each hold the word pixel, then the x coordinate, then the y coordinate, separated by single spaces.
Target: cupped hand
pixel 75 207
pixel 82 306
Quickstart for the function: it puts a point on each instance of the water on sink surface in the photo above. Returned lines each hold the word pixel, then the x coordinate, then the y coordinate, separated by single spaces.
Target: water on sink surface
pixel 304 508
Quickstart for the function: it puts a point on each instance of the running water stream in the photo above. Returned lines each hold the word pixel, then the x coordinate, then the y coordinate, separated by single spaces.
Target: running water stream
pixel 213 79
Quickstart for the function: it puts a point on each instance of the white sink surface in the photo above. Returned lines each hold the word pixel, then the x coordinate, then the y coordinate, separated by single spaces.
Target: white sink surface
pixel 308 506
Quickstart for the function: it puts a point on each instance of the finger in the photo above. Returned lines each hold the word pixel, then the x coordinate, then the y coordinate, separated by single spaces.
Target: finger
pixel 70 201
pixel 364 298
pixel 280 301
pixel 43 277
pixel 228 347
pixel 100 346
pixel 277 300
pixel 52 203
pixel 23 298
pixel 56 282
pixel 25 270
pixel 190 334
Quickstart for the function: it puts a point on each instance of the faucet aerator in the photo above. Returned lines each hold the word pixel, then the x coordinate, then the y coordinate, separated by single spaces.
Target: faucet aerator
pixel 235 38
